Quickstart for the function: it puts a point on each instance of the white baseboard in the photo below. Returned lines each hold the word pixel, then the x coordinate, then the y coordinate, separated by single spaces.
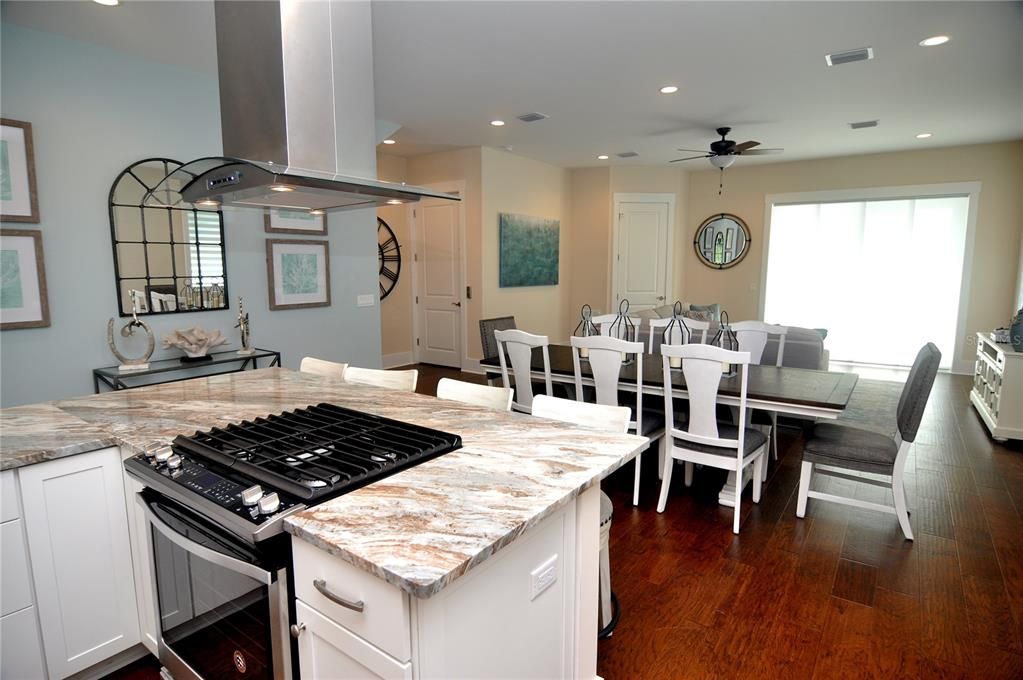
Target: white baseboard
pixel 398 359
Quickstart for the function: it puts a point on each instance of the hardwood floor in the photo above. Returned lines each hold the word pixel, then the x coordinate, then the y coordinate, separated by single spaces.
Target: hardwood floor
pixel 838 594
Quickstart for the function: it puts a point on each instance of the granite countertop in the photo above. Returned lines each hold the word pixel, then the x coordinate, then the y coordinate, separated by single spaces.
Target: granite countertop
pixel 419 529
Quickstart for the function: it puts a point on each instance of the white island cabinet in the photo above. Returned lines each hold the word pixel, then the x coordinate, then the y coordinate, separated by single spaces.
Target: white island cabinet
pixel 528 611
pixel 74 512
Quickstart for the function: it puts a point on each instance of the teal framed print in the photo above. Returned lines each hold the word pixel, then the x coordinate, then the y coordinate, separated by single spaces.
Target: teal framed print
pixel 298 273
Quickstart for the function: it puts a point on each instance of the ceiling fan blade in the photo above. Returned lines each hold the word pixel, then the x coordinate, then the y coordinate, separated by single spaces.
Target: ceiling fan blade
pixel 739 148
pixel 693 150
pixel 691 158
pixel 761 152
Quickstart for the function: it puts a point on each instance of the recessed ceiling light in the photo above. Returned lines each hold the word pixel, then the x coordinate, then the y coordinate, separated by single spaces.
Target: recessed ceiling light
pixel 602 157
pixel 108 3
pixel 934 41
pixel 923 135
pixel 281 187
pixel 390 141
pixel 669 89
pixel 316 211
pixel 497 123
pixel 394 201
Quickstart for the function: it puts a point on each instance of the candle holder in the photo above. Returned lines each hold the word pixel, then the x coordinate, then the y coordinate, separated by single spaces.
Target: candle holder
pixel 585 329
pixel 677 324
pixel 725 339
pixel 623 329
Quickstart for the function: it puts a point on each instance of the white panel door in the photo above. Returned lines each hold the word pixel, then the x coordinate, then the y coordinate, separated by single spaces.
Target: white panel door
pixel 642 254
pixel 438 284
pixel 81 561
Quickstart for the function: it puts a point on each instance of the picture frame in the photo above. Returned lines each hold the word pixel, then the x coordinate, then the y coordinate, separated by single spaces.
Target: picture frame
pixel 19 200
pixel 23 294
pixel 297 273
pixel 287 221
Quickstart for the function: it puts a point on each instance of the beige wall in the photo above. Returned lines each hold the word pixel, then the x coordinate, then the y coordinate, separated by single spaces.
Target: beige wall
pixel 513 184
pixel 995 264
pixel 396 310
pixel 590 246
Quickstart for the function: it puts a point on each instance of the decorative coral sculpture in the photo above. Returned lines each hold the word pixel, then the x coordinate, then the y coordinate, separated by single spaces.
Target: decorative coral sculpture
pixel 194 342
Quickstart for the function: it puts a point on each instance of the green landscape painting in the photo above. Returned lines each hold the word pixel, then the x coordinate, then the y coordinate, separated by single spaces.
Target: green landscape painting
pixel 529 251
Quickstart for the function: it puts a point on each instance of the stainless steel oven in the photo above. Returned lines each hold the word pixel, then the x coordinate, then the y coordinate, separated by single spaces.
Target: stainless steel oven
pixel 221 604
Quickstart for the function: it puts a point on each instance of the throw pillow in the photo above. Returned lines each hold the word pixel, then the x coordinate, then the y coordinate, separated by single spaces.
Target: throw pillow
pixel 713 310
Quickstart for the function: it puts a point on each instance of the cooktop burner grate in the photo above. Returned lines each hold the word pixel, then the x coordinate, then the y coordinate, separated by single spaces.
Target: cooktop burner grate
pixel 319 451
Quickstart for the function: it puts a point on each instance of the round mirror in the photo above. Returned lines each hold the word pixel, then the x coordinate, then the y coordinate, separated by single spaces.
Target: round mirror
pixel 722 241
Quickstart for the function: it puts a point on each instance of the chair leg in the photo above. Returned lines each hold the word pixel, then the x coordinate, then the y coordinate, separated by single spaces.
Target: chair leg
pixel 669 465
pixel 635 483
pixel 804 487
pixel 689 474
pixel 899 492
pixel 738 498
pixel 763 470
pixel 759 466
pixel 774 435
pixel 660 458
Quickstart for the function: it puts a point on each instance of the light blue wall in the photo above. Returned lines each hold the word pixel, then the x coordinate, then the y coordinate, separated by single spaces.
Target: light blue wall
pixel 93 112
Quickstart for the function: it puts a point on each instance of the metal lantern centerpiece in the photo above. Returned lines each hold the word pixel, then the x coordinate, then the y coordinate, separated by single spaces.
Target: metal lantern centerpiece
pixel 623 328
pixel 677 324
pixel 725 339
pixel 585 329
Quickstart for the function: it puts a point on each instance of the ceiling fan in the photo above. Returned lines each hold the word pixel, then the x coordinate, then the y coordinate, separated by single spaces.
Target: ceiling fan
pixel 723 152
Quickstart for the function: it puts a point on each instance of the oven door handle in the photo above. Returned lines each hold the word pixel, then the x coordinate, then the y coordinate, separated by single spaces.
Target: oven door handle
pixel 205 553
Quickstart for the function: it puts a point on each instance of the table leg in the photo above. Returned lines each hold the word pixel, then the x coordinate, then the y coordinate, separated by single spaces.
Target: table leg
pixel 727 495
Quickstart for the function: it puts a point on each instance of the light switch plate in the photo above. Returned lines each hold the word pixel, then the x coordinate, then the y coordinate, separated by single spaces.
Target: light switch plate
pixel 364 300
pixel 543 577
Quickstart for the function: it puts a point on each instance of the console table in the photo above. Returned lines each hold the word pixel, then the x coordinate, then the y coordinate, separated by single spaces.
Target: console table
pixel 997 392
pixel 165 369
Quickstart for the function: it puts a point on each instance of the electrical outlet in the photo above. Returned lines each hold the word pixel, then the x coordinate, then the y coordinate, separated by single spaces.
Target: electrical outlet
pixel 543 577
pixel 364 300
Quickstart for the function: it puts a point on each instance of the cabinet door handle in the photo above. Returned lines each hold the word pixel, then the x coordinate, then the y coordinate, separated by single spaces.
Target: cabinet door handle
pixel 321 586
pixel 297 629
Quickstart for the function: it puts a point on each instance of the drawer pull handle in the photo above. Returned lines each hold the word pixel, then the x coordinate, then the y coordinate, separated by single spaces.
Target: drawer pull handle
pixel 321 586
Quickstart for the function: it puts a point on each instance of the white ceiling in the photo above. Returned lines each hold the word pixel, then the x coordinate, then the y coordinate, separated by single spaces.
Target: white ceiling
pixel 443 70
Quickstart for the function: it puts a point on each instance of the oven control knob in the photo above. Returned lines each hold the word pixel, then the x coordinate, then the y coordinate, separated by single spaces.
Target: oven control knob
pixel 269 503
pixel 164 454
pixel 251 495
pixel 151 448
pixel 174 462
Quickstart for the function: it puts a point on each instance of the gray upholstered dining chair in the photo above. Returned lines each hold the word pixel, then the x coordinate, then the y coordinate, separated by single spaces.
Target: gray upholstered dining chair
pixel 835 445
pixel 487 328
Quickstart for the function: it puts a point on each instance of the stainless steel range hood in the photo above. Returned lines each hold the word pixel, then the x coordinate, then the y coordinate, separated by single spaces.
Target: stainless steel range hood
pixel 293 90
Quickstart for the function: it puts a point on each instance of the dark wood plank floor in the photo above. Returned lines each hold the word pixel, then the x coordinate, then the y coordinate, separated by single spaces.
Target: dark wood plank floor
pixel 839 594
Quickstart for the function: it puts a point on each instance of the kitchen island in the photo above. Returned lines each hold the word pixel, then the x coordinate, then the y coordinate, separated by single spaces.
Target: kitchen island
pixel 498 538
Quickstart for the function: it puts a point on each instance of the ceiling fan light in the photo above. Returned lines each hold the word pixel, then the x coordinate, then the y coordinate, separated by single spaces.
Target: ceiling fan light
pixel 722 162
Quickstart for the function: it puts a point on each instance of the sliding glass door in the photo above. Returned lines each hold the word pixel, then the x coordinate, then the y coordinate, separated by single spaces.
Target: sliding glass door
pixel 882 276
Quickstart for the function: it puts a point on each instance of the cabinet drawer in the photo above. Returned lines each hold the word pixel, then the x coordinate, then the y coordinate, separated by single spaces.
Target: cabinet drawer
pixel 326 651
pixel 8 496
pixel 21 655
pixel 384 620
pixel 15 591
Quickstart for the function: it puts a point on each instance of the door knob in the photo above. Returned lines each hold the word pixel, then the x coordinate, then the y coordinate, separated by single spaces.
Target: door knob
pixel 660 297
pixel 297 629
pixel 456 304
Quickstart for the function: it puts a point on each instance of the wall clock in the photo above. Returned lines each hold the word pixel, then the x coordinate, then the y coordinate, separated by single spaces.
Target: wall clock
pixel 389 256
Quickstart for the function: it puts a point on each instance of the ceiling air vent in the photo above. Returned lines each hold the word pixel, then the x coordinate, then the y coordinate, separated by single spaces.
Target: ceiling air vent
pixel 839 58
pixel 627 154
pixel 532 117
pixel 863 124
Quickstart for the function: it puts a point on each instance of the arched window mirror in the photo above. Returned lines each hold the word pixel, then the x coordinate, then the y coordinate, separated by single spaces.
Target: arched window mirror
pixel 170 251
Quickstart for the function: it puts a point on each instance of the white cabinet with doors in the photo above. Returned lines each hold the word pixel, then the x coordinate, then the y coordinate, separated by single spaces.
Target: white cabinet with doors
pixel 77 528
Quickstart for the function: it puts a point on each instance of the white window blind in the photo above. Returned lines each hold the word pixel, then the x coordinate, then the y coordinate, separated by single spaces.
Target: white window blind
pixel 204 257
pixel 883 276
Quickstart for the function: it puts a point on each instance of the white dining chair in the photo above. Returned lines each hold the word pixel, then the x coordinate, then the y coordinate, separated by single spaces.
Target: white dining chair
pixel 606 357
pixel 753 337
pixel 404 381
pixel 499 398
pixel 516 347
pixel 599 417
pixel 329 369
pixel 701 439
pixel 697 333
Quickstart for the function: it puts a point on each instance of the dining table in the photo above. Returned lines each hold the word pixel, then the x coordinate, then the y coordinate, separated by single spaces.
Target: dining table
pixel 798 392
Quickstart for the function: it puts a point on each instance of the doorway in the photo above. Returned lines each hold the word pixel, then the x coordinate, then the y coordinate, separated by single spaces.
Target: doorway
pixel 438 305
pixel 641 260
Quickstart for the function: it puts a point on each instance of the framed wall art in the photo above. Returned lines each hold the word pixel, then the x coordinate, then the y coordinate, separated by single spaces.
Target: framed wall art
pixel 286 221
pixel 23 302
pixel 18 199
pixel 298 273
pixel 529 251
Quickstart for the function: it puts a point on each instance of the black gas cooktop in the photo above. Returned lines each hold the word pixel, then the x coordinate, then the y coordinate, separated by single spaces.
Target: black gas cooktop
pixel 250 474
